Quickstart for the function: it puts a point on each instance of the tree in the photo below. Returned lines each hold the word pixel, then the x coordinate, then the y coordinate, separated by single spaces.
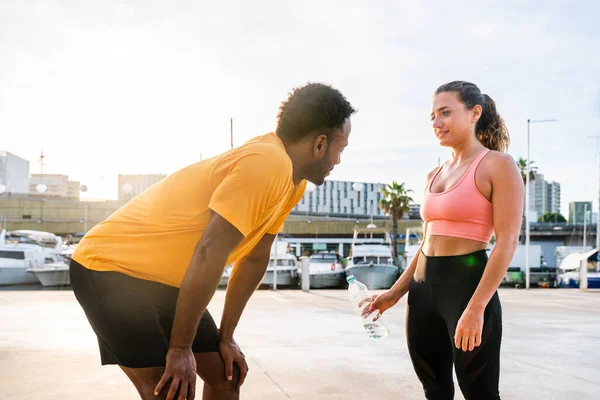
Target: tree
pixel 522 165
pixel 552 217
pixel 395 202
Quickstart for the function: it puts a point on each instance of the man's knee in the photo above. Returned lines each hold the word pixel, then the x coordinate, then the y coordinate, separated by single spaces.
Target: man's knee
pixel 219 384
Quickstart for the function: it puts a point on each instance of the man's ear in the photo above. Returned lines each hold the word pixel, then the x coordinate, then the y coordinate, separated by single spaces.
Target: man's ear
pixel 320 145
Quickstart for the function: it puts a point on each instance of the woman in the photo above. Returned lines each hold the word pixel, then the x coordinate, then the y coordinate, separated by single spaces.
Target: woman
pixel 453 313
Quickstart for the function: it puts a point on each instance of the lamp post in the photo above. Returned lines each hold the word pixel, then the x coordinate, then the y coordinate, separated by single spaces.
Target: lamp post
pixel 3 219
pixel 83 189
pixel 527 222
pixel 310 187
pixel 598 219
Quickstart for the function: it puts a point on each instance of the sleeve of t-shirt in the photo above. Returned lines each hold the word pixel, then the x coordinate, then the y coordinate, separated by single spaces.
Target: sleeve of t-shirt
pixel 250 190
pixel 277 226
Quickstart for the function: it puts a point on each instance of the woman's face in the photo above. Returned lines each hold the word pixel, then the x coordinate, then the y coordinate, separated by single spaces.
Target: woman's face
pixel 452 122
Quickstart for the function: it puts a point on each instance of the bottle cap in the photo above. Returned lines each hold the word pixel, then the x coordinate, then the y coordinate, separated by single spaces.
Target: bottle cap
pixel 350 278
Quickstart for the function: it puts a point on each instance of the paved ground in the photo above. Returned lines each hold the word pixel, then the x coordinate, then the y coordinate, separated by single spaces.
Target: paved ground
pixel 307 346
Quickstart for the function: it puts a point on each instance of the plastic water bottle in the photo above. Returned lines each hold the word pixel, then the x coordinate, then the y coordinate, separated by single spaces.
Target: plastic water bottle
pixel 357 291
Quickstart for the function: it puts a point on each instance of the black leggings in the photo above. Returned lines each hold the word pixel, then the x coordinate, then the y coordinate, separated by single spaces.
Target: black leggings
pixel 438 295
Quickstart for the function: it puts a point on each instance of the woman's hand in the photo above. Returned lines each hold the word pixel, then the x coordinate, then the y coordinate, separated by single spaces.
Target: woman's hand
pixel 380 302
pixel 468 329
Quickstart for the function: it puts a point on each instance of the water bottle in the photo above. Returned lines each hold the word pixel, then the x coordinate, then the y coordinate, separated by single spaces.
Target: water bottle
pixel 357 291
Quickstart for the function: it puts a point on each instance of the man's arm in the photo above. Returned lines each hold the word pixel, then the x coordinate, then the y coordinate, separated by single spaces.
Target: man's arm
pixel 202 277
pixel 197 288
pixel 245 277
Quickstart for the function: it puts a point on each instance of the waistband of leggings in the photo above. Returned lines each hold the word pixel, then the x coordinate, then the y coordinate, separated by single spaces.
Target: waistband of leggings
pixel 459 269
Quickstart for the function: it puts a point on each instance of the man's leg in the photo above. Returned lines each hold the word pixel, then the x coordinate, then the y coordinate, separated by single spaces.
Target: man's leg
pixel 145 380
pixel 211 370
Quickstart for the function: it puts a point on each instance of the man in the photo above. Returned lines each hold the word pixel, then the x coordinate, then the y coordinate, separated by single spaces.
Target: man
pixel 145 276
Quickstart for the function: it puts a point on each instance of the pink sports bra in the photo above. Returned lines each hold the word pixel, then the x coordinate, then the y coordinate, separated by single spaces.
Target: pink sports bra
pixel 461 211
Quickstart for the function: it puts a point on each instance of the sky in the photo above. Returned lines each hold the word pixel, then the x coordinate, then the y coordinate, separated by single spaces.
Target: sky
pixel 108 87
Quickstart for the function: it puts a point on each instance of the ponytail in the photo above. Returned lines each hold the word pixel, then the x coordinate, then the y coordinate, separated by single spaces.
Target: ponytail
pixel 490 129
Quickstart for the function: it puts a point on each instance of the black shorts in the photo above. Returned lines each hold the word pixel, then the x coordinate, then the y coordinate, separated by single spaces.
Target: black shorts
pixel 133 317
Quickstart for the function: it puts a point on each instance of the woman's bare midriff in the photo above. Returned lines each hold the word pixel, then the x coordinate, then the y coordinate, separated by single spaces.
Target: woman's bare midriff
pixel 436 246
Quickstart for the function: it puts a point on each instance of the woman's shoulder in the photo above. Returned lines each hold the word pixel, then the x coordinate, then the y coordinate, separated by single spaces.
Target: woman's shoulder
pixel 499 165
pixel 499 159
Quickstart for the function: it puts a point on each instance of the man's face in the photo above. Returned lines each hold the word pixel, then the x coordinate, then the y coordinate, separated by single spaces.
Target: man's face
pixel 327 154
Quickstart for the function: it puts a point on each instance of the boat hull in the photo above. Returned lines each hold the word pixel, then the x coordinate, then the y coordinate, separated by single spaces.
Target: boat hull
pixel 16 276
pixel 375 276
pixel 284 278
pixel 52 277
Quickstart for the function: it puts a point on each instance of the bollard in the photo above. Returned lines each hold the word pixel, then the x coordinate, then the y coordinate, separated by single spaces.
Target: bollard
pixel 583 279
pixel 305 274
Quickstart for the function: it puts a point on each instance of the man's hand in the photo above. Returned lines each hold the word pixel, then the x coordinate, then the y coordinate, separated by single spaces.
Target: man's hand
pixel 231 353
pixel 181 370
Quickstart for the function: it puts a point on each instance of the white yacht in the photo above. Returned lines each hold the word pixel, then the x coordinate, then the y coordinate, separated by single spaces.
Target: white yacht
pixel 287 266
pixel 326 271
pixel 50 267
pixel 370 260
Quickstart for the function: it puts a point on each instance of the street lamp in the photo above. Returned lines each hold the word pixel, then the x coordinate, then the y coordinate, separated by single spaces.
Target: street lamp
pixel 527 228
pixel 83 189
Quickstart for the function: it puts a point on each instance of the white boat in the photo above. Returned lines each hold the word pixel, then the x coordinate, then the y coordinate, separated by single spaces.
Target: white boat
pixel 326 271
pixel 562 251
pixel 52 274
pixel 370 261
pixel 571 270
pixel 45 247
pixel 16 258
pixel 225 275
pixel 287 267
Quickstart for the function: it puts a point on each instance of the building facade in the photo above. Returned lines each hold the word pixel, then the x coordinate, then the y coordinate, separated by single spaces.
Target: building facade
pixel 580 211
pixel 342 198
pixel 132 185
pixel 14 173
pixel 56 185
pixel 544 196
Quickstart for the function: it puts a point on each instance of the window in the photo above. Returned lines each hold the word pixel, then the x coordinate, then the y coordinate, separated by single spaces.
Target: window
pixel 325 258
pixel 13 255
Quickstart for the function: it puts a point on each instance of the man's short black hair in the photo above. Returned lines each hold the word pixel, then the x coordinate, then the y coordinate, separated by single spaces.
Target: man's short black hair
pixel 312 108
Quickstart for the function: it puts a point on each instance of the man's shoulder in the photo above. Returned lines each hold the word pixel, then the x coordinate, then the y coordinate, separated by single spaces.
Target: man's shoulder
pixel 267 153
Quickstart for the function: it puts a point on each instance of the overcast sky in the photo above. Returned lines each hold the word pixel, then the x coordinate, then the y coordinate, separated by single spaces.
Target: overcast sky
pixel 147 87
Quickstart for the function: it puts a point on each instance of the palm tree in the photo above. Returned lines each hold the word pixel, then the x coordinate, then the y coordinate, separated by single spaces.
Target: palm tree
pixel 395 202
pixel 522 165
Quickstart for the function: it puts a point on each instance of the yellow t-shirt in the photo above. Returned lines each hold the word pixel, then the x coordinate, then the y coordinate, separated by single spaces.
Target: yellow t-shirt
pixel 154 235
